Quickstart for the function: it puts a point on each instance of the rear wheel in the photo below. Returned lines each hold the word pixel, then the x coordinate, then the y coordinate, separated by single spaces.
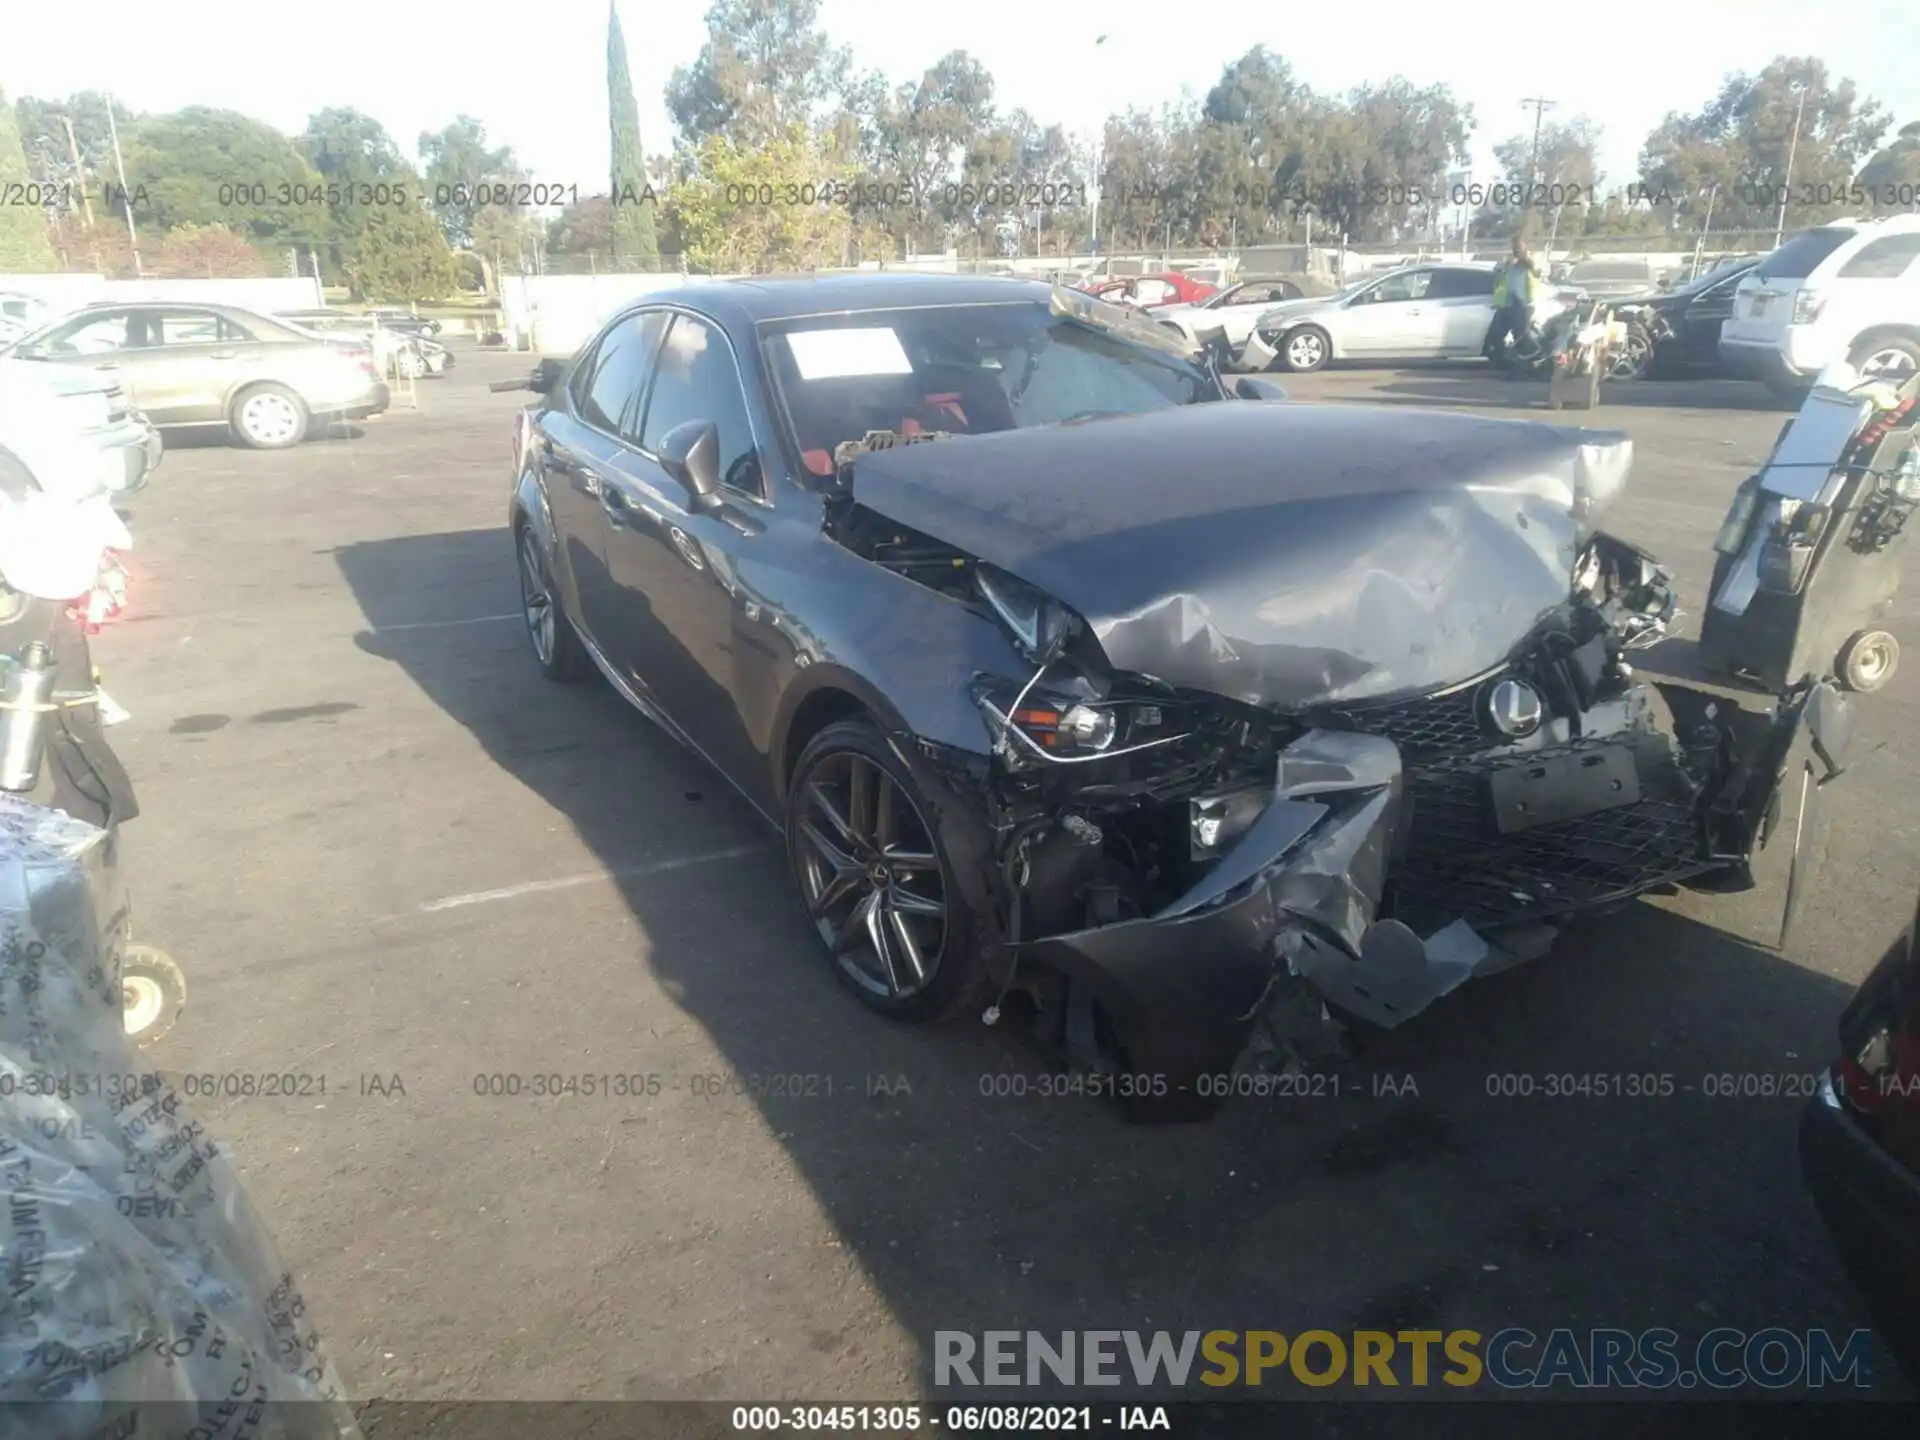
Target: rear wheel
pixel 874 873
pixel 1891 357
pixel 269 417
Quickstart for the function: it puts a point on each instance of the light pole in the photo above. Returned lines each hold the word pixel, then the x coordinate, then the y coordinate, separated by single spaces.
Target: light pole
pixel 1099 163
pixel 1793 145
pixel 126 195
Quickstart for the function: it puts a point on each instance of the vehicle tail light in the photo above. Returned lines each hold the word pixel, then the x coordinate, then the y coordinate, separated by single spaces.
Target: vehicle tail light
pixel 1885 1074
pixel 1807 305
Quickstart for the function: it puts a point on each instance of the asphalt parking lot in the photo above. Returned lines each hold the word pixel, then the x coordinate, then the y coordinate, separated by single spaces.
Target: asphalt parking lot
pixel 395 862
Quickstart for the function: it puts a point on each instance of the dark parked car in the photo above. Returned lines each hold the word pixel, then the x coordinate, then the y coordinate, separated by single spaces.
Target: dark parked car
pixel 1067 669
pixel 1860 1148
pixel 265 381
pixel 1685 322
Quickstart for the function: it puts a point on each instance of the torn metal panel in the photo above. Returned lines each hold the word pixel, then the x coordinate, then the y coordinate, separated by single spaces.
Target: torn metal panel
pixel 1266 553
pixel 1308 866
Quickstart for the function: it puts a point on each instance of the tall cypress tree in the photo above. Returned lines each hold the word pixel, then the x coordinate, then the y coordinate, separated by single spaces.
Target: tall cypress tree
pixel 634 238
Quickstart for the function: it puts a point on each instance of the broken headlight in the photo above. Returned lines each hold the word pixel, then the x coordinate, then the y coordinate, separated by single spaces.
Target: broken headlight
pixel 1039 624
pixel 1033 724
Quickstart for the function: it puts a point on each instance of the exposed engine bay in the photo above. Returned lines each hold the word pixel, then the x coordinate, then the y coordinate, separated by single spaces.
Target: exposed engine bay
pixel 1174 852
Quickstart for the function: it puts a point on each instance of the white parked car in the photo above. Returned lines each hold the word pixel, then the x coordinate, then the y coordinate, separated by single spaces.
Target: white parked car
pixel 1849 291
pixel 1234 311
pixel 73 429
pixel 1417 312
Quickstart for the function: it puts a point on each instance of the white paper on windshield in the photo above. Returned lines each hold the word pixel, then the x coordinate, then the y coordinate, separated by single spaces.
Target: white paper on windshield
pixel 842 354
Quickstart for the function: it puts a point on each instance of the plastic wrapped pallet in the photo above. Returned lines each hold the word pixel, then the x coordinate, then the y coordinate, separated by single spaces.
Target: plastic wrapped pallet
pixel 140 1293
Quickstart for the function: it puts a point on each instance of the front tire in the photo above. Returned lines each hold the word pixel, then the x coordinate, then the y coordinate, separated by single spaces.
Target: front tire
pixel 1634 361
pixel 557 647
pixel 1305 350
pixel 269 417
pixel 876 877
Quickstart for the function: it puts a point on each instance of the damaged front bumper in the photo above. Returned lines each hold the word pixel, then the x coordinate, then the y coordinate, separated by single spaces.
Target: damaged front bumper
pixel 1385 885
pixel 1306 878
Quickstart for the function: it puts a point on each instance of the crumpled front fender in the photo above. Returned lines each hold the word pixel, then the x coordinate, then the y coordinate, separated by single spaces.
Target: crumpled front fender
pixel 1313 864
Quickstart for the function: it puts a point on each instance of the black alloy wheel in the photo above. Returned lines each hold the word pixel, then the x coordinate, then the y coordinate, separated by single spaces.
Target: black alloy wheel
pixel 875 878
pixel 556 646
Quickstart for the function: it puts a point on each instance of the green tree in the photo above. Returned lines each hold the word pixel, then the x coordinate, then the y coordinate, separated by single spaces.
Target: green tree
pixel 23 229
pixel 1567 172
pixel 201 166
pixel 458 161
pixel 766 66
pixel 354 152
pixel 719 237
pixel 1892 177
pixel 43 133
pixel 1736 148
pixel 400 254
pixel 634 238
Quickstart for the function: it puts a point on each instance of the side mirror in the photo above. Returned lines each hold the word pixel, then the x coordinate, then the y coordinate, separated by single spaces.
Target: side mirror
pixel 690 453
pixel 1252 387
pixel 546 375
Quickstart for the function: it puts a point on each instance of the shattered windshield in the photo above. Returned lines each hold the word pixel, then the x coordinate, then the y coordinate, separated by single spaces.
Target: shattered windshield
pixel 971 370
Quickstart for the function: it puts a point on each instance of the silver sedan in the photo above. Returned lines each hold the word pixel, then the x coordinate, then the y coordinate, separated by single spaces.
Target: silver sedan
pixel 1418 312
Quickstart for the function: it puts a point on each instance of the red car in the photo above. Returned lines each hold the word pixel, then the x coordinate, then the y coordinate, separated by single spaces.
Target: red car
pixel 1148 292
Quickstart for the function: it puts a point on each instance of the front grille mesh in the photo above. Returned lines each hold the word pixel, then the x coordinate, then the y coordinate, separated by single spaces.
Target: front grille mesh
pixel 1459 866
pixel 1430 729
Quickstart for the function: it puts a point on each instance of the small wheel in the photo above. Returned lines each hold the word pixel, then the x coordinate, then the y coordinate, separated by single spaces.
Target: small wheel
pixel 152 992
pixel 1305 350
pixel 557 647
pixel 269 417
pixel 874 873
pixel 1868 660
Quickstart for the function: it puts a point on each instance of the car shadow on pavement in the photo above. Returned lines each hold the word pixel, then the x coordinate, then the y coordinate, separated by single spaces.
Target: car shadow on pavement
pixel 1602 1138
pixel 1496 392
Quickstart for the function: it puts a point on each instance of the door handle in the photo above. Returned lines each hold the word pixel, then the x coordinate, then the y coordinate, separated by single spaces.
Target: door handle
pixel 224 355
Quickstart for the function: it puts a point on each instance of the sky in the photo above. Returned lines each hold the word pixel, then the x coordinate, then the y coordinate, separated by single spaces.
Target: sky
pixel 534 74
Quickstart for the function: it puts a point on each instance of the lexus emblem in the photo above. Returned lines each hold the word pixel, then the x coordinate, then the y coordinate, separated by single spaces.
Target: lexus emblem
pixel 1515 709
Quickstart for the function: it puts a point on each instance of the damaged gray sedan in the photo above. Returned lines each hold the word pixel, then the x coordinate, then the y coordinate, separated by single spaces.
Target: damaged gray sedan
pixel 1068 670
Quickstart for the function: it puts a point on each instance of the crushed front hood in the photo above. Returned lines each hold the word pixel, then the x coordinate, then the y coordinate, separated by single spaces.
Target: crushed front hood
pixel 1288 555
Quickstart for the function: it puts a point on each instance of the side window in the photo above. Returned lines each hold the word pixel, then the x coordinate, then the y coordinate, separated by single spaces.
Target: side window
pixel 94 334
pixel 184 327
pixel 1411 286
pixel 698 380
pixel 1460 285
pixel 1887 258
pixel 229 331
pixel 610 384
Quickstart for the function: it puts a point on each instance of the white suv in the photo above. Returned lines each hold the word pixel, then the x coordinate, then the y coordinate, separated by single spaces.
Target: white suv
pixel 1845 291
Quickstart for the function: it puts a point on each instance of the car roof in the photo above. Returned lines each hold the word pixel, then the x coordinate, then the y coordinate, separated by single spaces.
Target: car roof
pixel 766 298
